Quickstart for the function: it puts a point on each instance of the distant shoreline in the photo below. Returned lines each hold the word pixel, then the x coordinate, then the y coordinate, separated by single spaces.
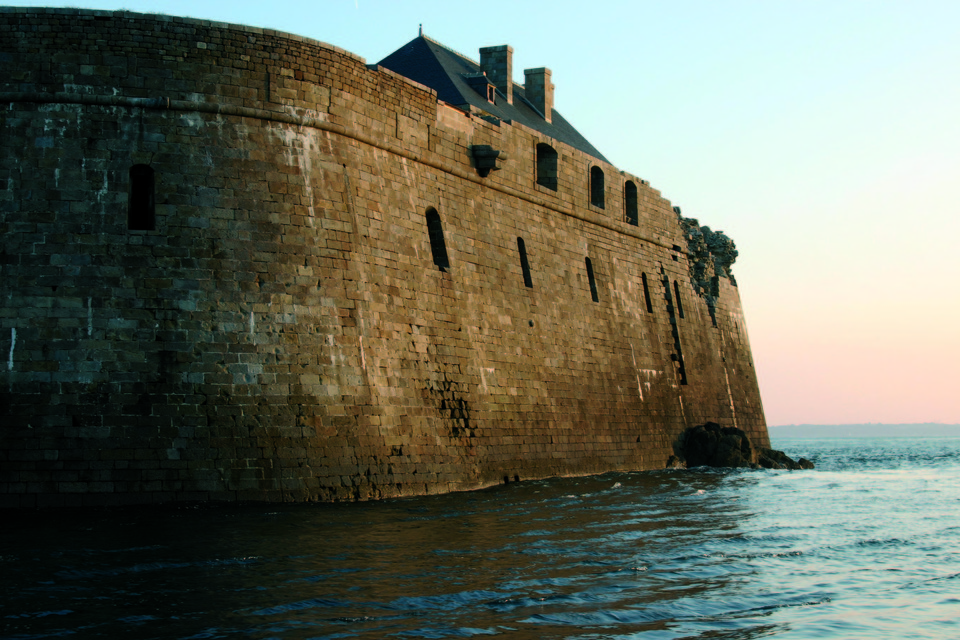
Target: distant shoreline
pixel 923 430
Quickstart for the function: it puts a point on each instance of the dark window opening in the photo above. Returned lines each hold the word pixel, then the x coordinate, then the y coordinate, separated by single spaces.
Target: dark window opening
pixel 546 166
pixel 593 281
pixel 631 211
pixel 596 187
pixel 141 211
pixel 524 265
pixel 646 293
pixel 437 245
pixel 676 289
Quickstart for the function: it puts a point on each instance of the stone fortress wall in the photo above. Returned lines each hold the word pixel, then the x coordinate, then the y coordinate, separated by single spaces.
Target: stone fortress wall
pixel 281 330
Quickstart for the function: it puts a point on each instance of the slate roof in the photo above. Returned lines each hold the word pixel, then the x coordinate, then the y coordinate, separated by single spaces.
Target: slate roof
pixel 431 64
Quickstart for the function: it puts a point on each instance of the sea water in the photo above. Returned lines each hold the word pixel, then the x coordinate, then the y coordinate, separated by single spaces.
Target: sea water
pixel 867 545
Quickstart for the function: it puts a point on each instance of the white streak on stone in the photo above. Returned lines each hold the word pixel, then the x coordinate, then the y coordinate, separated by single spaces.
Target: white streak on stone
pixel 251 324
pixel 639 385
pixel 89 316
pixel 733 407
pixel 13 344
pixel 363 356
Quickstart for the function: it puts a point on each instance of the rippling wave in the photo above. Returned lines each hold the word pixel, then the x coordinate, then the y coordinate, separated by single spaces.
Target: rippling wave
pixel 866 545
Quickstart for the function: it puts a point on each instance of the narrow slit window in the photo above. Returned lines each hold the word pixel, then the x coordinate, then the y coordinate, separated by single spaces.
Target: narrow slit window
pixel 141 211
pixel 593 281
pixel 631 212
pixel 521 247
pixel 672 308
pixel 646 293
pixel 596 187
pixel 437 245
pixel 547 166
pixel 676 289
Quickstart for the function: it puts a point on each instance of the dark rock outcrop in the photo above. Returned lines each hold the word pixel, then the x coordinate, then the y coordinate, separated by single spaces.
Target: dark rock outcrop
pixel 710 445
pixel 673 462
pixel 773 459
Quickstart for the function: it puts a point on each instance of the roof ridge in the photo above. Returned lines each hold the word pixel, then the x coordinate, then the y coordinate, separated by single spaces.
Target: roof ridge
pixel 468 59
pixel 453 51
pixel 448 72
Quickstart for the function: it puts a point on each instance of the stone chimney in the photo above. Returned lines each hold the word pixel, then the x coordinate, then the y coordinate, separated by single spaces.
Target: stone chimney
pixel 539 90
pixel 497 63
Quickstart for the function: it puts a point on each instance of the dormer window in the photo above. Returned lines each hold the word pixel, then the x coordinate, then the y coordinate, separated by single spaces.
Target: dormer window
pixel 482 85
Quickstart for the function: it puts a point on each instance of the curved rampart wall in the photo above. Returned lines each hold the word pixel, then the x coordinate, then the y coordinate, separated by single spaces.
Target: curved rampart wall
pixel 283 333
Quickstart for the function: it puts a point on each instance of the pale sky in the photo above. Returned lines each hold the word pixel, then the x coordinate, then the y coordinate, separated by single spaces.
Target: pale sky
pixel 823 137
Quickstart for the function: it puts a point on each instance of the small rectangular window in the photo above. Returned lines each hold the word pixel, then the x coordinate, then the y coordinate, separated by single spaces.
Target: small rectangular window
pixel 676 289
pixel 593 282
pixel 646 293
pixel 437 245
pixel 141 213
pixel 524 265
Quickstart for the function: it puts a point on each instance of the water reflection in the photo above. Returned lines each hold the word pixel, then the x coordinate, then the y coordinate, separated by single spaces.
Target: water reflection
pixel 863 547
pixel 635 551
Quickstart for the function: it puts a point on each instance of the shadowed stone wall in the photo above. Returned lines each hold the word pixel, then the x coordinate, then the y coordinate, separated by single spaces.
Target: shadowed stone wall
pixel 283 333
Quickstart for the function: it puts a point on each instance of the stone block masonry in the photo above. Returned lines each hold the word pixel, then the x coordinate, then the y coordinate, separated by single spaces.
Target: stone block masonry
pixel 218 282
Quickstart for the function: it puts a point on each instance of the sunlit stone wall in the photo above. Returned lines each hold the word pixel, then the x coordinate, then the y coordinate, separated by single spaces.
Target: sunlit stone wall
pixel 280 329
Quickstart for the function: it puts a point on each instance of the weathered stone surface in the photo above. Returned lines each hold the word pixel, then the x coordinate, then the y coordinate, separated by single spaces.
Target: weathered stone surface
pixel 283 331
pixel 711 255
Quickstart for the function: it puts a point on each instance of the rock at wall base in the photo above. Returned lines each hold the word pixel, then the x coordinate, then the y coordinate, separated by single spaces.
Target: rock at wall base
pixel 710 445
pixel 673 462
pixel 773 459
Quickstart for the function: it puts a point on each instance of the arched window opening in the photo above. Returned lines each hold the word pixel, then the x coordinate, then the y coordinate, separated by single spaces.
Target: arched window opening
pixel 547 166
pixel 524 265
pixel 596 187
pixel 593 282
pixel 141 211
pixel 676 289
pixel 437 245
pixel 646 293
pixel 630 203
